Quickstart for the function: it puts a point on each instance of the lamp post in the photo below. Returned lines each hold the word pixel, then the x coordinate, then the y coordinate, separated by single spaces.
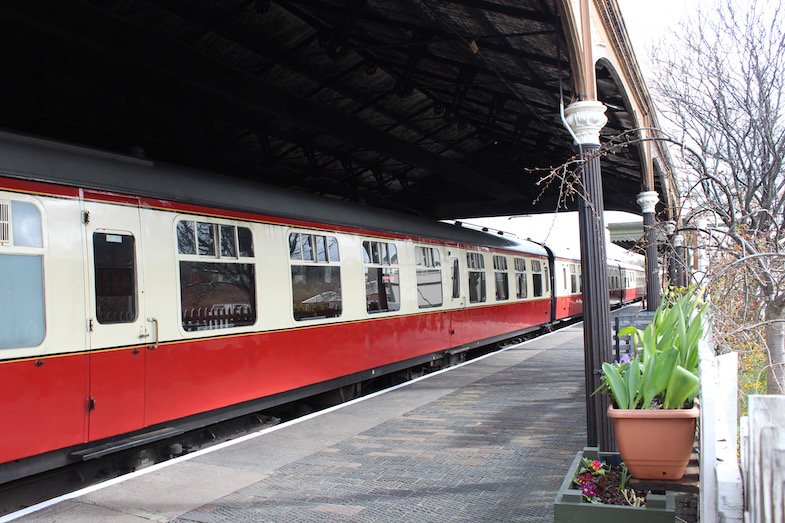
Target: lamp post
pixel 670 229
pixel 648 201
pixel 586 119
pixel 678 245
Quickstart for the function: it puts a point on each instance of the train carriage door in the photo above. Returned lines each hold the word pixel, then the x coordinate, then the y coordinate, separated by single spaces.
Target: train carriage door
pixel 117 325
pixel 457 298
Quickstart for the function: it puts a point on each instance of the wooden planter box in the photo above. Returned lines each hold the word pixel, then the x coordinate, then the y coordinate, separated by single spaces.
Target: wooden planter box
pixel 570 508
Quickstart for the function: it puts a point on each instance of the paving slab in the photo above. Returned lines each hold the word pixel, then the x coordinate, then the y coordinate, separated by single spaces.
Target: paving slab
pixel 488 441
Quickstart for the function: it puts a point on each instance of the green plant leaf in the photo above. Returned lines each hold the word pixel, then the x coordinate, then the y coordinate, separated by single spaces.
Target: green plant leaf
pixel 647 388
pixel 684 348
pixel 633 379
pixel 629 330
pixel 649 342
pixel 616 385
pixel 680 387
pixel 666 362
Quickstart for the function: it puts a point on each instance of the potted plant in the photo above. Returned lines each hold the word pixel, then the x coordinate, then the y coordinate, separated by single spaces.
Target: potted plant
pixel 653 393
pixel 595 490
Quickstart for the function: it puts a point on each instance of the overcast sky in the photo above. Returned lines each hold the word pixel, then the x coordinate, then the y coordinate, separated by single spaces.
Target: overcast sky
pixel 647 22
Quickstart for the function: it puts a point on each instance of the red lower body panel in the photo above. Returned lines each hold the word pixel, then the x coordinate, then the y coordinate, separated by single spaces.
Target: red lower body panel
pixel 43 406
pixel 477 323
pixel 569 306
pixel 187 378
pixel 47 405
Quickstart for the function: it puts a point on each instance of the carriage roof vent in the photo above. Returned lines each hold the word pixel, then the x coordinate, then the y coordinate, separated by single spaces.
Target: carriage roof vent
pixel 5 222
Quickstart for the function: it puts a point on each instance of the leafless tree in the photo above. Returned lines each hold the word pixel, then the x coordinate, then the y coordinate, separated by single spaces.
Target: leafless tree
pixel 720 86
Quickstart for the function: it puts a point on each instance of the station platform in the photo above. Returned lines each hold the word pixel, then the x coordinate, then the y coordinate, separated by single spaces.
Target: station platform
pixel 488 440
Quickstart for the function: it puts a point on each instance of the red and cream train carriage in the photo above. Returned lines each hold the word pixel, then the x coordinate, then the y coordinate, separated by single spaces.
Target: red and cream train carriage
pixel 140 299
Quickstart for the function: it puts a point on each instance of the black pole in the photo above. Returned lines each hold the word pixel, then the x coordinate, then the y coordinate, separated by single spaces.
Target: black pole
pixel 586 119
pixel 648 200
pixel 670 229
pixel 681 272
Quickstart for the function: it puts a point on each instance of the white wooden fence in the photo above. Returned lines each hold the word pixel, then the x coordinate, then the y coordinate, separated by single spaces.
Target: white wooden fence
pixel 763 459
pixel 750 491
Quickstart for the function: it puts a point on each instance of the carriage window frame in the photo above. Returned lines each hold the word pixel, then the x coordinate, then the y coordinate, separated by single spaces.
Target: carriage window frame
pixel 382 258
pixel 32 254
pixel 456 279
pixel 475 262
pixel 538 288
pixel 501 277
pixel 546 278
pixel 573 279
pixel 428 263
pixel 101 284
pixel 307 260
pixel 521 278
pixel 230 260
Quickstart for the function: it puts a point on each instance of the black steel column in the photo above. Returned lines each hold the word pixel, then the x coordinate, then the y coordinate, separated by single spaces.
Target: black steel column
pixel 680 262
pixel 586 119
pixel 648 201
pixel 670 228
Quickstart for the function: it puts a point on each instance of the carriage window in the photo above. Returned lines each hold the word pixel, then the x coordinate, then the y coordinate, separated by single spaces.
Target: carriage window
pixel 573 279
pixel 23 321
pixel 547 280
pixel 201 238
pixel 218 285
pixel 501 277
pixel 115 277
pixel 456 279
pixel 476 264
pixel 26 223
pixel 245 242
pixel 217 295
pixel 186 237
pixel 429 277
pixel 537 287
pixel 316 276
pixel 382 281
pixel 205 237
pixel 520 278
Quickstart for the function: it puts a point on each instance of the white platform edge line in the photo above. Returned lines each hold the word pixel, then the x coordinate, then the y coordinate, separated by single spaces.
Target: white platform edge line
pixel 158 466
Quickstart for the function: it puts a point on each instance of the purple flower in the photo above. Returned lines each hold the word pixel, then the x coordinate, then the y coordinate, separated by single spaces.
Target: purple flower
pixel 625 358
pixel 590 490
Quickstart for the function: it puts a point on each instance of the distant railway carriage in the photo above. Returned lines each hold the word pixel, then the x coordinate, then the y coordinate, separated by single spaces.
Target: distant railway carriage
pixel 141 299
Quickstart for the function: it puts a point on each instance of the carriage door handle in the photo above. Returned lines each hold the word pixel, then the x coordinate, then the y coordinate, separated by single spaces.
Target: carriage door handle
pixel 155 343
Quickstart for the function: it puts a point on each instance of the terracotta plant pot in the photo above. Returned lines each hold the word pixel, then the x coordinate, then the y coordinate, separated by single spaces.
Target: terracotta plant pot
pixel 655 444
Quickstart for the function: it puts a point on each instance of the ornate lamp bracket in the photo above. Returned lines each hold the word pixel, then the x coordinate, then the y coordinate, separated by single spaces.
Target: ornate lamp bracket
pixel 648 201
pixel 586 119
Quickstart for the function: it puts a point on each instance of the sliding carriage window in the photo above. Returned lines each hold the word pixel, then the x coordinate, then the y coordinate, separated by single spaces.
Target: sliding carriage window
pixel 22 322
pixel 501 278
pixel 429 277
pixel 382 277
pixel 456 279
pixel 537 286
pixel 316 276
pixel 115 277
pixel 573 279
pixel 547 278
pixel 217 275
pixel 476 264
pixel 522 285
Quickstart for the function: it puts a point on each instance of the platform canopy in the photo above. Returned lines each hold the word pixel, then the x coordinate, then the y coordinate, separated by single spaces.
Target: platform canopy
pixel 431 107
